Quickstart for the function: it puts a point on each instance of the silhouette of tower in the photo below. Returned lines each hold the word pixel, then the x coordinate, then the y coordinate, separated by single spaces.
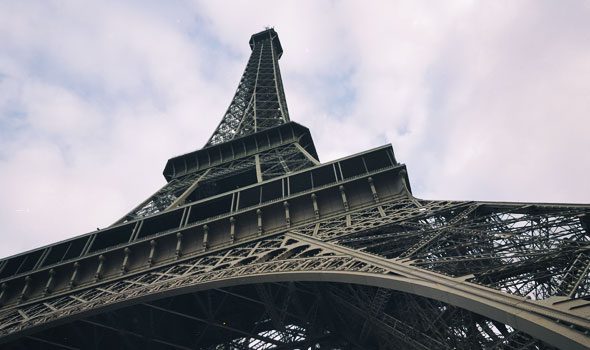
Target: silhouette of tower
pixel 255 244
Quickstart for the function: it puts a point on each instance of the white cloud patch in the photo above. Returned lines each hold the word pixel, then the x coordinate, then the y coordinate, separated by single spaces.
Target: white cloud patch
pixel 480 100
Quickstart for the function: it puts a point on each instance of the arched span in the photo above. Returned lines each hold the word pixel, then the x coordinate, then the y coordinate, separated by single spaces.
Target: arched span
pixel 537 326
pixel 533 324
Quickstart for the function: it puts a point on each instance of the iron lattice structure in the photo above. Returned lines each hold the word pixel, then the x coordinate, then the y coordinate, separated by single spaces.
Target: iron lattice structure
pixel 253 244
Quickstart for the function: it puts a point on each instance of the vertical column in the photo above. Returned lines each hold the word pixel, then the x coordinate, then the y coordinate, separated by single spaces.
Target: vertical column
pixel 153 245
pixel 98 273
pixel 373 190
pixel 125 264
pixel 259 221
pixel 74 278
pixel 49 284
pixel 287 214
pixel 205 236
pixel 232 229
pixel 178 245
pixel 316 209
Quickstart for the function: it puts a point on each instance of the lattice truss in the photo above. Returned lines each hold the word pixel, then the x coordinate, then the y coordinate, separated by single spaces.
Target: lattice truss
pixel 266 256
pixel 289 315
pixel 520 249
pixel 506 247
pixel 283 160
pixel 273 163
pixel 259 102
pixel 163 198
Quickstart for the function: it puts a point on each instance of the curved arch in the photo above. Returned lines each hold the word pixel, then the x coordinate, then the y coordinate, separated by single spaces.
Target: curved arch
pixel 535 325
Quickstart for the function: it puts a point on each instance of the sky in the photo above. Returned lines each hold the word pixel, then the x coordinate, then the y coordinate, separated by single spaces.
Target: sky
pixel 481 100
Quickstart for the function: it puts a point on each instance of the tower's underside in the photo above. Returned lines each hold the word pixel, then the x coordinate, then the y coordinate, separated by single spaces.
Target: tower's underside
pixel 255 244
pixel 285 315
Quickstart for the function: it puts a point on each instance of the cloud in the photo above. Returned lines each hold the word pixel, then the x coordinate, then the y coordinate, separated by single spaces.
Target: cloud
pixel 481 101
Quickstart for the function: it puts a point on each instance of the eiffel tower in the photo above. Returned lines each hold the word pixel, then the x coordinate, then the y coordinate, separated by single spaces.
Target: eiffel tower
pixel 255 244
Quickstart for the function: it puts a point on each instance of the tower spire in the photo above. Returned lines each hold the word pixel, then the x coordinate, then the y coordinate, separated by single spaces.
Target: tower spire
pixel 259 102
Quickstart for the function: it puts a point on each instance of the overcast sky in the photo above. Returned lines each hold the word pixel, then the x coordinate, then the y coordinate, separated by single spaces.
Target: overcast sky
pixel 481 100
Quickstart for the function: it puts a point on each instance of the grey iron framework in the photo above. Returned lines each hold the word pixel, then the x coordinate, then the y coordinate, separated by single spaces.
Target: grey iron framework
pixel 255 244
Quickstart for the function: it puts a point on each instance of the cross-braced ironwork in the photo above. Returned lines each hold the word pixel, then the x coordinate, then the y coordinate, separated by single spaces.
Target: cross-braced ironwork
pixel 253 244
pixel 259 102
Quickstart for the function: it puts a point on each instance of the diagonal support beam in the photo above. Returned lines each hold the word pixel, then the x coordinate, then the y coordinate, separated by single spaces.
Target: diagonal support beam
pixel 53 343
pixel 520 313
pixel 134 334
pixel 215 324
pixel 379 300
